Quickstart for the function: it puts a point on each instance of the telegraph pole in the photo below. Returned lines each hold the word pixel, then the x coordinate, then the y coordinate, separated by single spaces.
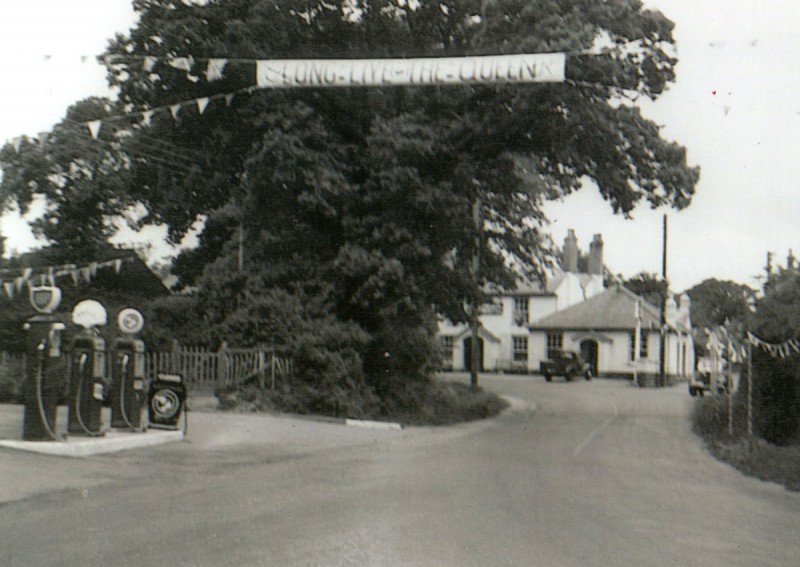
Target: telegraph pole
pixel 662 367
pixel 474 322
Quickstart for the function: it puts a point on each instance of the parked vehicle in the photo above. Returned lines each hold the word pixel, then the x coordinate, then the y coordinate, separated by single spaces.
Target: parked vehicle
pixel 566 363
pixel 712 382
pixel 699 383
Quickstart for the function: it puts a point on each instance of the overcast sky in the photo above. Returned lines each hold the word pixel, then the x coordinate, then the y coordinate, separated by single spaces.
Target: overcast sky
pixel 735 106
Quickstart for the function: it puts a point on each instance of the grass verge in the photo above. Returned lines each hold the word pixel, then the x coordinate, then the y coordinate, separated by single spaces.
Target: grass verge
pixel 429 403
pixel 750 455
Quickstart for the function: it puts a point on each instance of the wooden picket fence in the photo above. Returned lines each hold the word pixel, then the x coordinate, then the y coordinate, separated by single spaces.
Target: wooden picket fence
pixel 201 368
pixel 204 369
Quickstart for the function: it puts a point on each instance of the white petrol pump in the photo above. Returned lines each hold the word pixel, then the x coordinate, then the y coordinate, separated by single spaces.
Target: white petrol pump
pixel 87 380
pixel 128 390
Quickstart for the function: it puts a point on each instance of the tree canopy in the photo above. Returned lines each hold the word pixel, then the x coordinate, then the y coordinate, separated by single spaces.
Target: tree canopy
pixel 716 302
pixel 360 197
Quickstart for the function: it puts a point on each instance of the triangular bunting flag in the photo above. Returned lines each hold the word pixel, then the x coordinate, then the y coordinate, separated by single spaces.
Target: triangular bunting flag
pixel 215 68
pixel 87 274
pixel 19 283
pixel 76 279
pixel 9 287
pixel 182 63
pixel 93 268
pixel 149 63
pixel 26 273
pixel 228 99
pixel 16 143
pixel 202 103
pixel 174 110
pixel 117 265
pixel 94 128
pixel 147 115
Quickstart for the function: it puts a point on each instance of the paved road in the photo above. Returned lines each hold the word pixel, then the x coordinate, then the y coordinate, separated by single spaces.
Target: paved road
pixel 600 473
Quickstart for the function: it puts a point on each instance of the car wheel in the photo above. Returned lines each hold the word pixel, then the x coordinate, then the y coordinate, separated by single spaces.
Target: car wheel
pixel 548 378
pixel 568 376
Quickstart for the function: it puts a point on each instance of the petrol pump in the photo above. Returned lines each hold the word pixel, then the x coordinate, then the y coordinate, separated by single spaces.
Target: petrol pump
pixel 127 370
pixel 87 379
pixel 41 390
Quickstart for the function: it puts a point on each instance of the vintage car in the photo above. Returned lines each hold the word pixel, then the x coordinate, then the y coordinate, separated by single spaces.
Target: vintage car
pixel 566 363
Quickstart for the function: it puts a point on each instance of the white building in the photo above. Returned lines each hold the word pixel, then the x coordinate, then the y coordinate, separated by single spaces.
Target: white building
pixel 603 329
pixel 504 334
pixel 574 311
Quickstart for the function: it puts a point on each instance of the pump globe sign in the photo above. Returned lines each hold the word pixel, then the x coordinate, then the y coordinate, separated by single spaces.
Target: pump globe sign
pixel 45 298
pixel 130 321
pixel 89 313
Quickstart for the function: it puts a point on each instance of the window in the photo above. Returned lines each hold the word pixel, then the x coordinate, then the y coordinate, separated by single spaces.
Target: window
pixel 643 346
pixel 446 343
pixel 521 310
pixel 555 342
pixel 520 349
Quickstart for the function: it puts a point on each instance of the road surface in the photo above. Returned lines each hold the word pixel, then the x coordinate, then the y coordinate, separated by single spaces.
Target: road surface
pixel 599 473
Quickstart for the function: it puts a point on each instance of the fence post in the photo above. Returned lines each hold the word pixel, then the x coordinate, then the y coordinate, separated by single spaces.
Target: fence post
pixel 175 355
pixel 222 365
pixel 749 388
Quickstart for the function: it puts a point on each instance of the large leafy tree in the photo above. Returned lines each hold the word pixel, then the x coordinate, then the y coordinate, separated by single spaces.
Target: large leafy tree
pixel 363 197
pixel 718 302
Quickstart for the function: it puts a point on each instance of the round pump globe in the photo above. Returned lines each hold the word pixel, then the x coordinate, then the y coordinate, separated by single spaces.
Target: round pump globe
pixel 89 313
pixel 130 321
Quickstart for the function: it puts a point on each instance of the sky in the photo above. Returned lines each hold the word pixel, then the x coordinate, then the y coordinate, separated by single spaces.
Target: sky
pixel 735 106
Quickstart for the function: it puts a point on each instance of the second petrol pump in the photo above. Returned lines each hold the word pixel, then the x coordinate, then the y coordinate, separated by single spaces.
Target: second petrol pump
pixel 87 379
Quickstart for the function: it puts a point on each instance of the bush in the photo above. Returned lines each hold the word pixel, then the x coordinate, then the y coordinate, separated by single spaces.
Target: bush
pixel 710 418
pixel 443 403
pixel 776 398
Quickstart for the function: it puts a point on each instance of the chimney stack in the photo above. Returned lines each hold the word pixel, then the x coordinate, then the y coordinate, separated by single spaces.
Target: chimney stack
pixel 596 255
pixel 569 261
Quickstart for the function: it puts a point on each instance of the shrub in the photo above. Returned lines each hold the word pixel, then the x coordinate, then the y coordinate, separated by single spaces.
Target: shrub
pixel 710 417
pixel 776 398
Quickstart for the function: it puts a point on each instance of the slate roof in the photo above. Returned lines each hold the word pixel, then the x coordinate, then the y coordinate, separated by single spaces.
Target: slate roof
pixel 613 309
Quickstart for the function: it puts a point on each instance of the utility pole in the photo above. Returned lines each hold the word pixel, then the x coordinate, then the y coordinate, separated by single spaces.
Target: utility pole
pixel 662 367
pixel 476 266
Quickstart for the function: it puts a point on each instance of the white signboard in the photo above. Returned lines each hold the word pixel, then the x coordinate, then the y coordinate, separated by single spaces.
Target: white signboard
pixel 523 68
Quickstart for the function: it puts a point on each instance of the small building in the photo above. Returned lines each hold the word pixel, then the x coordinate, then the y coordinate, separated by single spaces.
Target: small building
pixel 604 330
pixel 504 335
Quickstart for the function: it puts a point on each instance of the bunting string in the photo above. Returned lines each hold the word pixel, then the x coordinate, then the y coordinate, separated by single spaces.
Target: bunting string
pixel 14 280
pixel 777 350
pixel 215 68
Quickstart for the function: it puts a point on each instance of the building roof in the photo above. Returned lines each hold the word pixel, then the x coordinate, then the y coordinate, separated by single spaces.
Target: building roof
pixel 613 309
pixel 535 287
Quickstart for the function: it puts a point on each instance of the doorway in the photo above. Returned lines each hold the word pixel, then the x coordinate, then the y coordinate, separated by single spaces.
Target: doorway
pixel 468 354
pixel 589 351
